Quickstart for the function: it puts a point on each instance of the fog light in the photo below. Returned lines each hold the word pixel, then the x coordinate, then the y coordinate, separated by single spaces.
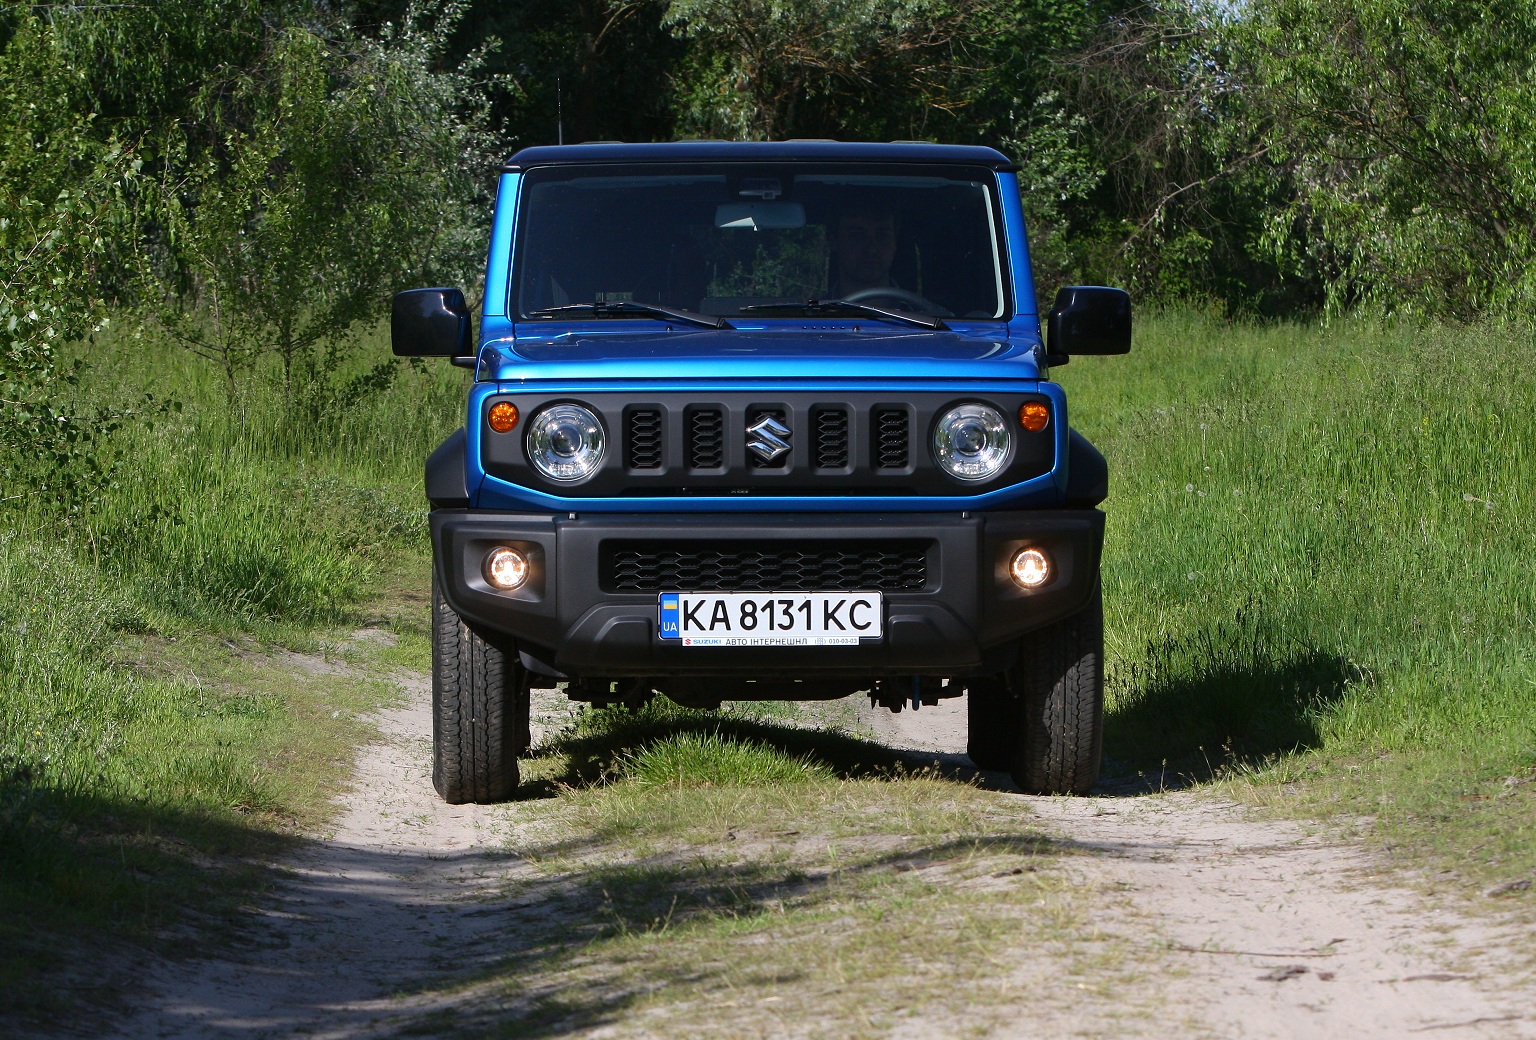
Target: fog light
pixel 502 416
pixel 1031 568
pixel 505 568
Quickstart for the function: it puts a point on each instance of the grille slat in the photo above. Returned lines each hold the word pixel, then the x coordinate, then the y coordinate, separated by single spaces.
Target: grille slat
pixel 831 429
pixel 776 567
pixel 644 447
pixel 891 437
pixel 706 438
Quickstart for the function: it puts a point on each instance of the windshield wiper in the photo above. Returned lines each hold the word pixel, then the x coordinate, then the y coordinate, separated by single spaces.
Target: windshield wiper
pixel 813 307
pixel 620 308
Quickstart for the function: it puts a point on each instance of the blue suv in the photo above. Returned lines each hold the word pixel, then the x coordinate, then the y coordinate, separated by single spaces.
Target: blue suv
pixel 765 421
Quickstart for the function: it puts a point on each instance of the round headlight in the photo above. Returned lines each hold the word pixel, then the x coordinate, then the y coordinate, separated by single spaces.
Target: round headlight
pixel 971 442
pixel 565 442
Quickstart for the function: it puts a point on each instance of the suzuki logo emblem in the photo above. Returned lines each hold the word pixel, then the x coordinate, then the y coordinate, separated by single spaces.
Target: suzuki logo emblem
pixel 768 438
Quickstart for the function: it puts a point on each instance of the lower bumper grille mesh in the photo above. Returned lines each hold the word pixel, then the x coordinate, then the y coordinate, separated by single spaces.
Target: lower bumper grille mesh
pixel 890 566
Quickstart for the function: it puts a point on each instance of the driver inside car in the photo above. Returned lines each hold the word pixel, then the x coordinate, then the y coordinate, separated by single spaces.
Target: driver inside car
pixel 863 247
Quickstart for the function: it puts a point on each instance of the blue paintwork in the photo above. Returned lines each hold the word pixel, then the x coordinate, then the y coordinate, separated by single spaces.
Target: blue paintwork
pixel 770 354
pixel 498 265
pixel 759 151
pixel 1026 318
pixel 777 351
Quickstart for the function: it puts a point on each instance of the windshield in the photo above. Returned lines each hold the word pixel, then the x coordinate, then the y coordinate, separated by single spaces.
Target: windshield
pixel 756 240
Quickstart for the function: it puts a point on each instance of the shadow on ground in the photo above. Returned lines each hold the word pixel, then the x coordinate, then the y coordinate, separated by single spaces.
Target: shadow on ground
pixel 592 753
pixel 1223 698
pixel 90 885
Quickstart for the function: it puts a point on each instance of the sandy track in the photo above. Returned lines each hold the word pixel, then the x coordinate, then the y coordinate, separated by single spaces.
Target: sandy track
pixel 1262 929
pixel 1250 928
pixel 392 897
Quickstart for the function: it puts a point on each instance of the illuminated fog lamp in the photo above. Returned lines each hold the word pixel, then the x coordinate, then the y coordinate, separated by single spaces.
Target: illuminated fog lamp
pixel 1034 416
pixel 1031 568
pixel 502 417
pixel 506 568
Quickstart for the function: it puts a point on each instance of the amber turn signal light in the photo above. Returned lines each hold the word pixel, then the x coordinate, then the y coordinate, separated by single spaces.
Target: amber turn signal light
pixel 503 416
pixel 1034 416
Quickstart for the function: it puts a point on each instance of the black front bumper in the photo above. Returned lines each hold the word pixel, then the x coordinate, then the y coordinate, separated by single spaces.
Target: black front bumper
pixel 964 617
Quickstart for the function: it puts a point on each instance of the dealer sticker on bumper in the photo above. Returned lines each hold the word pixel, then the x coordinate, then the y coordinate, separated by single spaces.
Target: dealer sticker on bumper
pixel 771 618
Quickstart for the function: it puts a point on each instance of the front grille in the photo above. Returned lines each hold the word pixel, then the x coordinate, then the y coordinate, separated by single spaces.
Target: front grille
pixel 644 447
pixel 684 443
pixel 706 438
pixel 891 451
pixel 889 566
pixel 831 429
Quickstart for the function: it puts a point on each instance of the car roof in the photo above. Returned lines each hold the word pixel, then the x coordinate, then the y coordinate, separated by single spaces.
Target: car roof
pixel 758 151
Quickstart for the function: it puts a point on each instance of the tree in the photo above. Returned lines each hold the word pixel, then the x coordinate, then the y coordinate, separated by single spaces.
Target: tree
pixel 62 195
pixel 1409 129
pixel 774 68
pixel 343 168
pixel 1188 183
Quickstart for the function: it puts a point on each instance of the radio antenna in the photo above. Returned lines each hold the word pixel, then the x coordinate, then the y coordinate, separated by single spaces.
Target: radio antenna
pixel 559 115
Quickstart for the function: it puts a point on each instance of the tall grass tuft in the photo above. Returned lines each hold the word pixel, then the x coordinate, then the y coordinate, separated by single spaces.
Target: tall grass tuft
pixel 711 759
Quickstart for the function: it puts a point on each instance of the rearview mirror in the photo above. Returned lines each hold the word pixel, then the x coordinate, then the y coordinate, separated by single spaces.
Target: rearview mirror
pixel 1088 319
pixel 759 216
pixel 429 323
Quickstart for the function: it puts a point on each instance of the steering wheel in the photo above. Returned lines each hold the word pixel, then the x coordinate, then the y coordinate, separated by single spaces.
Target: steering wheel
pixel 915 303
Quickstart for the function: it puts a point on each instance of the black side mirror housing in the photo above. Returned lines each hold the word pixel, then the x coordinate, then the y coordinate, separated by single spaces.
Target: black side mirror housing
pixel 429 323
pixel 1088 319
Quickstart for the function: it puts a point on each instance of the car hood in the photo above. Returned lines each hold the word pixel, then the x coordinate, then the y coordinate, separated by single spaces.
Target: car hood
pixel 802 354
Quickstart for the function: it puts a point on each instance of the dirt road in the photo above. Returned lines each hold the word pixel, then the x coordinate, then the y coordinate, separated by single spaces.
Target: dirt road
pixel 1247 927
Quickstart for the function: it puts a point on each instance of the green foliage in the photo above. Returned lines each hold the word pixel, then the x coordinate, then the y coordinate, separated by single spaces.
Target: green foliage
pixel 572 70
pixel 1409 129
pixel 61 198
pixel 758 63
pixel 284 176
pixel 345 178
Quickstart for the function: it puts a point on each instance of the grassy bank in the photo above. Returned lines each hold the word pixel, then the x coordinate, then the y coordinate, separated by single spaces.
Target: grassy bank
pixel 158 736
pixel 1318 587
pixel 1318 570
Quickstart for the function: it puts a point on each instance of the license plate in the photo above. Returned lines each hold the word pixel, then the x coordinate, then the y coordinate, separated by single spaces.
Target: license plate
pixel 771 618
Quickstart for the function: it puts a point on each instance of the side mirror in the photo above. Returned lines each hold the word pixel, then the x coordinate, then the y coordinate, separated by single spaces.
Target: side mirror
pixel 429 323
pixel 1088 319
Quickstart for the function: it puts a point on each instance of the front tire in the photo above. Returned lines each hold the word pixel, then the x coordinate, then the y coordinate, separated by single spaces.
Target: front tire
pixel 1059 685
pixel 479 711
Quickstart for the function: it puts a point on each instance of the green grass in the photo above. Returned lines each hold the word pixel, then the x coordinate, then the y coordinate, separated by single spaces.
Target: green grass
pixel 155 748
pixel 1319 565
pixel 1319 590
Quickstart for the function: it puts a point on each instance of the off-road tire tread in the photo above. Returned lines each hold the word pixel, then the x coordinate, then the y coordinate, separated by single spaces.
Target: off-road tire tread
pixel 479 711
pixel 1059 682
